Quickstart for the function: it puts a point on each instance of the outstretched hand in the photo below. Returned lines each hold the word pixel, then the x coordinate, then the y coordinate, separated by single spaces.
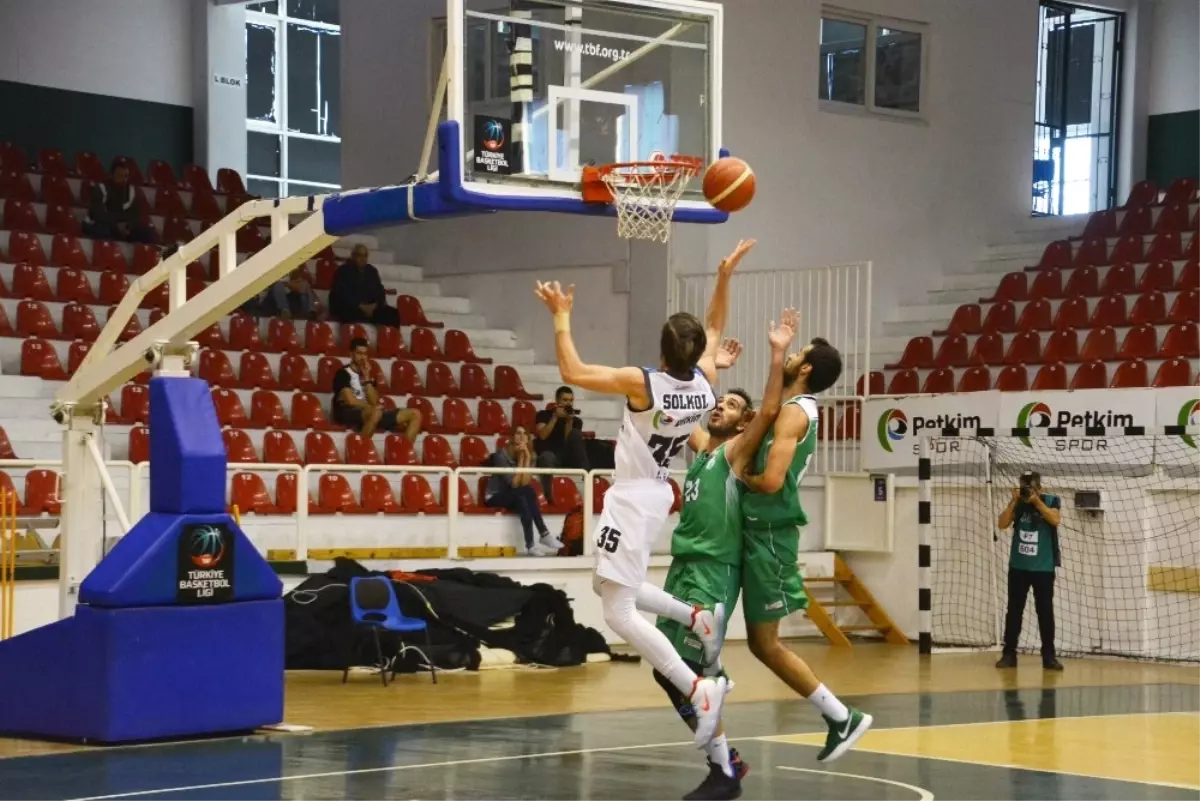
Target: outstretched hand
pixel 730 262
pixel 781 335
pixel 727 354
pixel 557 301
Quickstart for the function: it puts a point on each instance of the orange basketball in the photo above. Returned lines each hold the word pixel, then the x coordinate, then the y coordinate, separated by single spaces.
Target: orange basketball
pixel 729 184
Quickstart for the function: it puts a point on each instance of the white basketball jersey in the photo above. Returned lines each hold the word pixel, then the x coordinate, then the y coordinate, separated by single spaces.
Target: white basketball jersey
pixel 649 439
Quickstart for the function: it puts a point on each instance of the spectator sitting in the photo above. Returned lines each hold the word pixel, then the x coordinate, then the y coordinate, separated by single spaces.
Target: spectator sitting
pixel 291 297
pixel 357 295
pixel 356 401
pixel 513 491
pixel 114 211
pixel 560 434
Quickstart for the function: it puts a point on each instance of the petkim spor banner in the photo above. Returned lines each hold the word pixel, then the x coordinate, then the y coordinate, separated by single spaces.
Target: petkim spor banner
pixel 891 427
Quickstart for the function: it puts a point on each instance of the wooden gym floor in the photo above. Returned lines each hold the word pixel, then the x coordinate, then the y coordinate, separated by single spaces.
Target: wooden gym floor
pixel 949 726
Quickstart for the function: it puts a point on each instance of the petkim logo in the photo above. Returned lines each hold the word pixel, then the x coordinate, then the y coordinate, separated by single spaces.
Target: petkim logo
pixel 1189 415
pixel 1039 415
pixel 1033 415
pixel 893 425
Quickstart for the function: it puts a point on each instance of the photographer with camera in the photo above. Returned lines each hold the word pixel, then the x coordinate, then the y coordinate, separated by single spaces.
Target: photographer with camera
pixel 559 433
pixel 1034 517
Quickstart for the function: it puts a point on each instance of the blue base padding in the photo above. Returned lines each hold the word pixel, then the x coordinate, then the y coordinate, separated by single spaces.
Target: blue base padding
pixel 449 196
pixel 122 675
pixel 186 448
pixel 146 565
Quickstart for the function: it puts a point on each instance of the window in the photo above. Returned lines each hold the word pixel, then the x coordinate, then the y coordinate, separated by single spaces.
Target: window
pixel 872 63
pixel 293 97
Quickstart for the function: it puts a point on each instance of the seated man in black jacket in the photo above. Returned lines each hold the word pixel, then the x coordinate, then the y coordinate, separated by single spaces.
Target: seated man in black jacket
pixel 357 295
pixel 357 404
pixel 114 212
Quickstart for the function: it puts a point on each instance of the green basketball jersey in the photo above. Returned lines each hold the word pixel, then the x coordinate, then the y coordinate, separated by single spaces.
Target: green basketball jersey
pixel 710 522
pixel 783 508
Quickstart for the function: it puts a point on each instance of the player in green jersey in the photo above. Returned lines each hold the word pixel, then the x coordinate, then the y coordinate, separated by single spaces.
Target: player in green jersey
pixel 706 545
pixel 772 516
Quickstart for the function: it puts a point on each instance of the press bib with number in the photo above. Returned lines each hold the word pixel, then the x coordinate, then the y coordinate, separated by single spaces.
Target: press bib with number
pixel 650 438
pixel 1033 543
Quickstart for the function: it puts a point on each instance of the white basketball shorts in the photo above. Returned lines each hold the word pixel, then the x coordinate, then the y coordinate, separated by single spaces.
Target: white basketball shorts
pixel 634 514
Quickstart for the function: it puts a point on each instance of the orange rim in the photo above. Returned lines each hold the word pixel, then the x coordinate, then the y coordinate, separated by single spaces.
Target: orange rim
pixel 595 188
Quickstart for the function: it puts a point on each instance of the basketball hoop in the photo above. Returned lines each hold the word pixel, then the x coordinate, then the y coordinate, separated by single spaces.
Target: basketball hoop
pixel 643 192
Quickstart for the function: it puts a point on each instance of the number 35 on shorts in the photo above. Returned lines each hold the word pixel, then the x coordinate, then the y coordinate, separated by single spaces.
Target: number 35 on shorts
pixel 608 538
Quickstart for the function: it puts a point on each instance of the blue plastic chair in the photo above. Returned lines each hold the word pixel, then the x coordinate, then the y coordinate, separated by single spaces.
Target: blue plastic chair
pixel 373 604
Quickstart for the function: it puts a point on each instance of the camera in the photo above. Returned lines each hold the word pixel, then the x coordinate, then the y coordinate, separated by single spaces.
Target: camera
pixel 569 409
pixel 1026 489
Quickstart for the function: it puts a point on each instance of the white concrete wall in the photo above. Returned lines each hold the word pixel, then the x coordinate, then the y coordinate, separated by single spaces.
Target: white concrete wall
pixel 1174 83
pixel 139 49
pixel 220 109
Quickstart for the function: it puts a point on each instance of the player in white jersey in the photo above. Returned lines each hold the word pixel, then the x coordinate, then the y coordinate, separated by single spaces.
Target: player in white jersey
pixel 662 407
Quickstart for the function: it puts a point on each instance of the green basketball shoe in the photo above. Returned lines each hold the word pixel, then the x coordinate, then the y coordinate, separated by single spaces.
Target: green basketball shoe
pixel 844 734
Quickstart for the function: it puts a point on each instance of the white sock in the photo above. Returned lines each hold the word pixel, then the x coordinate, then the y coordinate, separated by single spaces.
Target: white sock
pixel 718 753
pixel 828 703
pixel 620 613
pixel 658 602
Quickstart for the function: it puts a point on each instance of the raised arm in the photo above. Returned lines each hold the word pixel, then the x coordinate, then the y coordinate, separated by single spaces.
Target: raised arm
pixel 718 309
pixel 745 445
pixel 726 357
pixel 790 428
pixel 627 381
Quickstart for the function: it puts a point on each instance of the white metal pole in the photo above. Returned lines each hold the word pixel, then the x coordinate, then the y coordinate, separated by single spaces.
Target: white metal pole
pixel 81 520
pixel 107 482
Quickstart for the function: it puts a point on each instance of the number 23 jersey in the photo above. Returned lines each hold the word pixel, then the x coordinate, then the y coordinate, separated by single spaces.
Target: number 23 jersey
pixel 650 438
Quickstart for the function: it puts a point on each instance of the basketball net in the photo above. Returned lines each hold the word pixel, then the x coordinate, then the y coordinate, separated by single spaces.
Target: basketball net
pixel 644 194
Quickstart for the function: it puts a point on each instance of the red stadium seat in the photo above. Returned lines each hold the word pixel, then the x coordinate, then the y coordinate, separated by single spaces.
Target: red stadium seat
pixel 436 450
pixel 177 230
pixel 967 319
pixel 398 450
pixel 1180 190
pixel 327 368
pixel 230 411
pixel 19 215
pixel 508 383
pixel 52 162
pixel 1142 194
pixel 439 381
pixel 280 448
pixel 113 287
pixel 425 346
pixel 66 251
pixel 1167 245
pixel 417 496
pixel 1100 345
pixel 405 379
pixel 1057 254
pixel 524 414
pixel 566 496
pixel 318 338
pixel 456 417
pixel 1025 348
pixel 1050 376
pixel 1062 346
pixel 135 405
pixel 335 495
pixel 6 448
pixel 157 298
pixel 1140 343
pixel 1158 276
pixel 159 173
pixel 139 444
pixel 349 333
pixel 472 451
pixel 29 282
pixel 473 382
pixel 1110 311
pixel 1189 276
pixel 319 448
pixel 34 320
pixel 952 352
pixel 254 372
pixel 1014 286
pixel 76 353
pixel 458 348
pixel 876 384
pixel 975 379
pixel 167 203
pixel 600 487
pixel 1137 221
pixel 195 178
pixel 248 492
pixel 15 185
pixel 466 504
pixel 905 382
pixel 1181 340
pixel 294 373
pixel 1149 308
pixel 238 447
pixel 216 369
pixel 5 326
pixel 89 166
pixel 940 380
pixel 1046 284
pixel 377 495
pixel 41 494
pixel 411 312
pixel 230 182
pixel 988 349
pixel 243 333
pixel 79 323
pixel 1173 373
pixel 307 413
pixel 266 411
pixel 24 246
pixel 1130 374
pixel 287 494
pixel 56 191
pixel 205 207
pixel 1083 282
pixel 72 284
pixel 492 419
pixel 1092 252
pixel 1186 308
pixel 1072 313
pixel 62 220
pixel 389 344
pixel 429 418
pixel 326 269
pixel 361 450
pixel 1128 250
pixel 250 239
pixel 1001 318
pixel 1172 217
pixel 1035 316
pixel 1120 279
pixel 108 255
pixel 1013 378
pixel 282 336
pixel 1090 375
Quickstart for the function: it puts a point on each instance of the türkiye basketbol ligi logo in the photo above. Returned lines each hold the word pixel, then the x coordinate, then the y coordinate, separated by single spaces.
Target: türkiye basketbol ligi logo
pixel 1033 415
pixel 892 427
pixel 493 135
pixel 1189 415
pixel 206 548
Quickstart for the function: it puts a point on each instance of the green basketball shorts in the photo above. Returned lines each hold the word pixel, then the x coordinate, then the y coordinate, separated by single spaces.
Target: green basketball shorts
pixel 772 587
pixel 701 582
